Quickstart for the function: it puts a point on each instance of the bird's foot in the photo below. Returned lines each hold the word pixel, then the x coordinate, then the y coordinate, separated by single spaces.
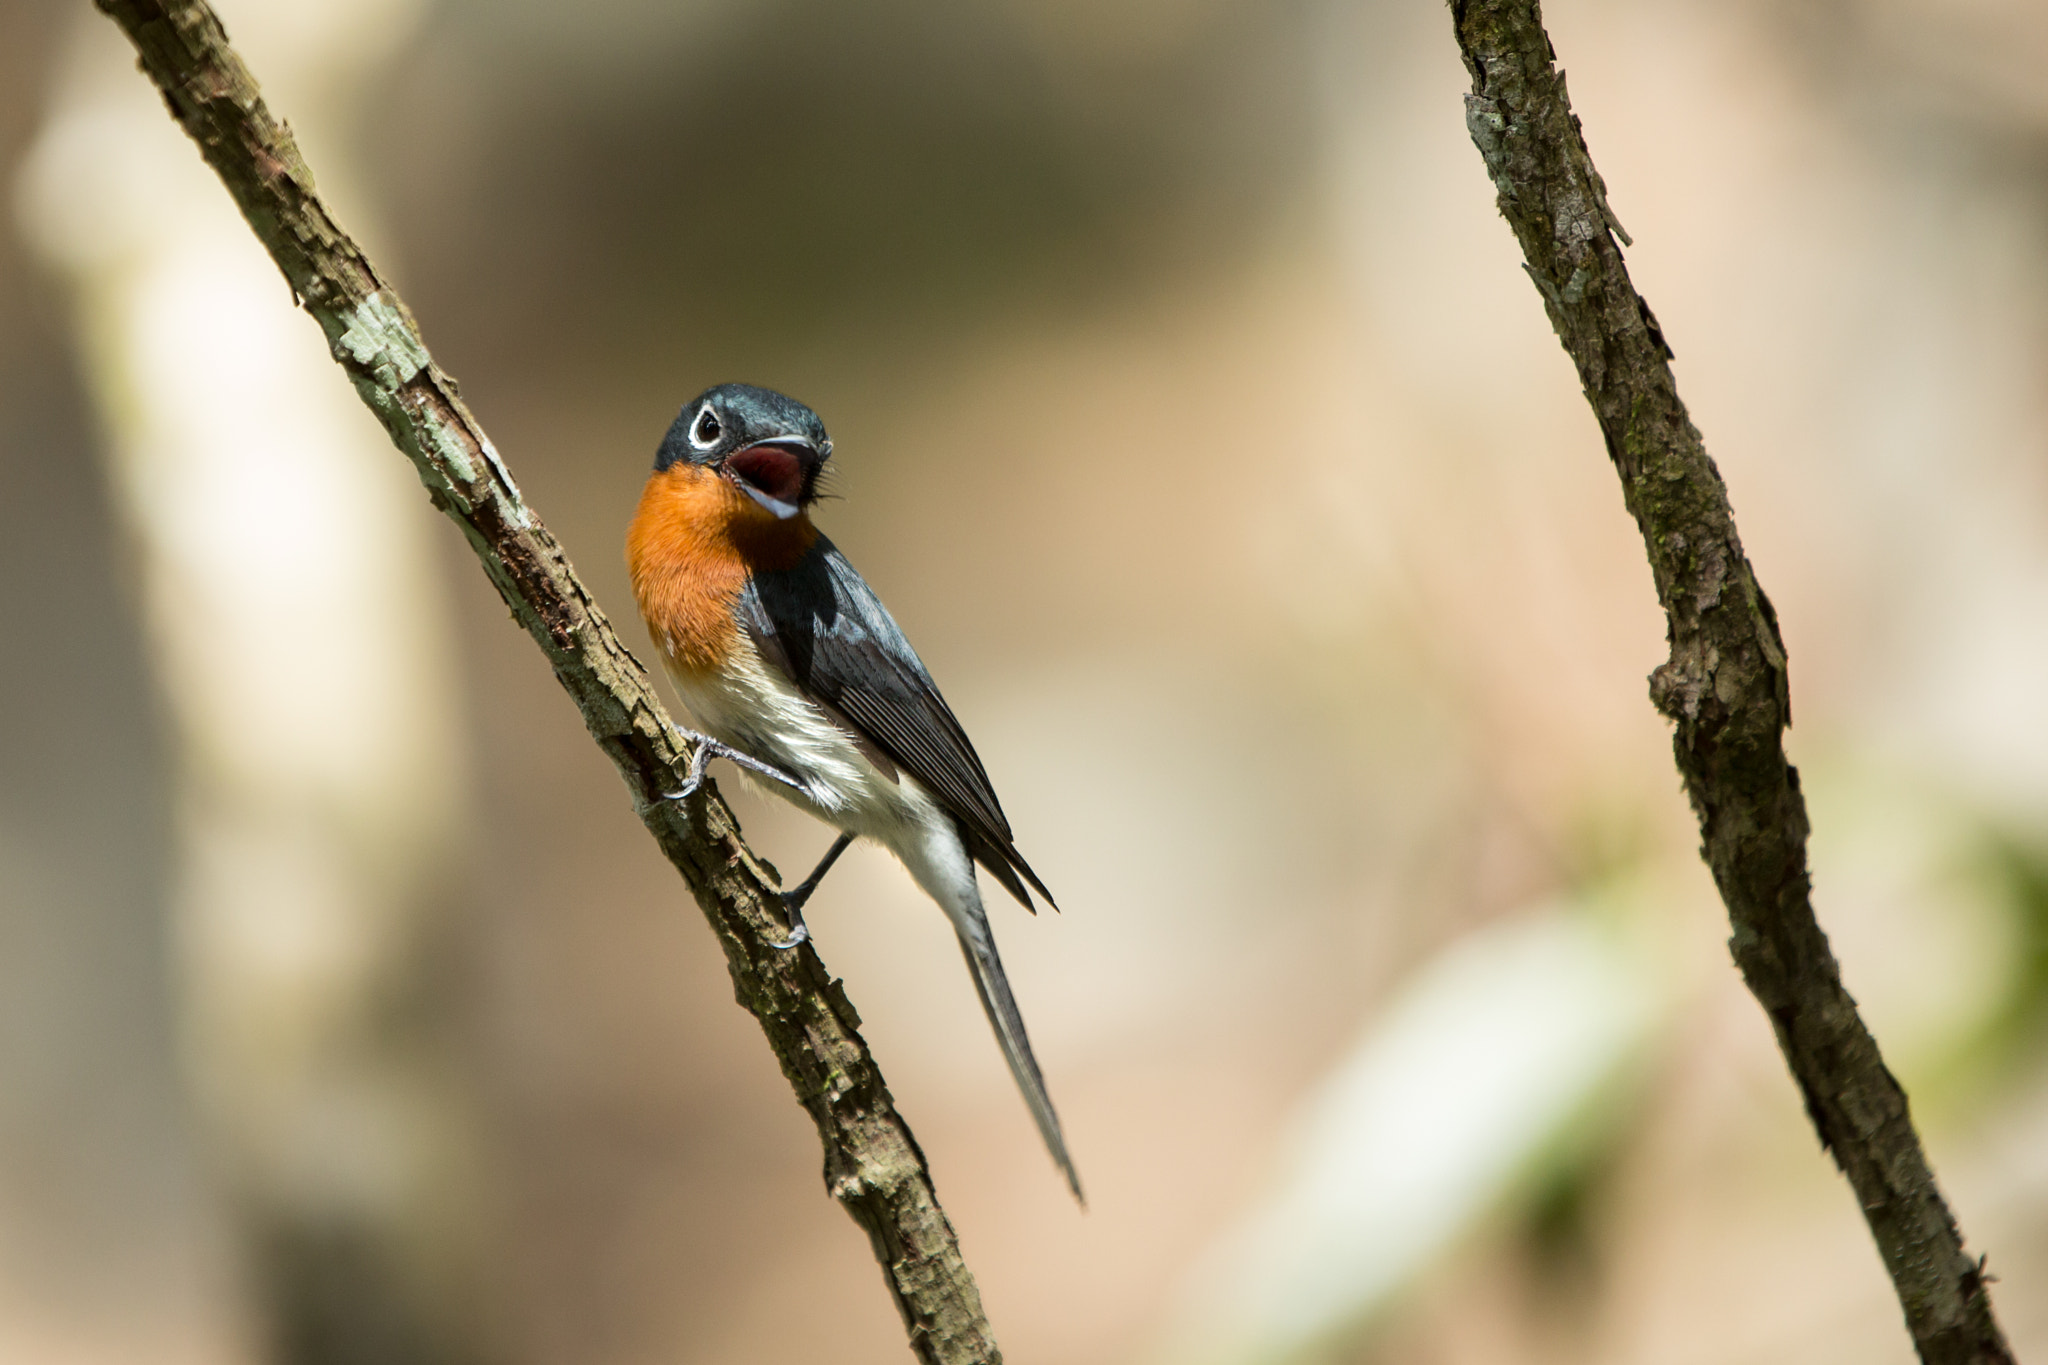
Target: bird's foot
pixel 794 898
pixel 708 749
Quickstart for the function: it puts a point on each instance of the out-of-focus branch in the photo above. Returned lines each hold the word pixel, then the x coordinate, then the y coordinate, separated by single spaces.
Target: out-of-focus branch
pixel 307 886
pixel 1725 683
pixel 872 1163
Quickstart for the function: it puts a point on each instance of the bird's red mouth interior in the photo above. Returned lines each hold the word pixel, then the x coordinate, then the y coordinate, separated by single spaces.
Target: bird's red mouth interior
pixel 774 470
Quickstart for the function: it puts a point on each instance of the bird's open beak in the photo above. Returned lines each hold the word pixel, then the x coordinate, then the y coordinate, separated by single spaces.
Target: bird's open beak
pixel 776 474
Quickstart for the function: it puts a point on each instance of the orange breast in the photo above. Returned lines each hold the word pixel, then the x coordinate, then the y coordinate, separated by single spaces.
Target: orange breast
pixel 692 545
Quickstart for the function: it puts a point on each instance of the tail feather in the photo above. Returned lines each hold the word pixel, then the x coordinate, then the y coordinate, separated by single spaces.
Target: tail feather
pixel 1004 863
pixel 1001 1007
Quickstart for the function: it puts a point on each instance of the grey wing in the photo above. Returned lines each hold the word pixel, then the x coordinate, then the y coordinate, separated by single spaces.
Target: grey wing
pixel 823 626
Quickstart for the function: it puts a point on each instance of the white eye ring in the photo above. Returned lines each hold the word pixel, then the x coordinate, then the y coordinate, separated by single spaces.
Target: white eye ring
pixel 705 431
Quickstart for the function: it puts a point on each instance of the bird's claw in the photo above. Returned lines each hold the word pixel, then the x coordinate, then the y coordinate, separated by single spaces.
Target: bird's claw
pixel 793 910
pixel 794 898
pixel 707 749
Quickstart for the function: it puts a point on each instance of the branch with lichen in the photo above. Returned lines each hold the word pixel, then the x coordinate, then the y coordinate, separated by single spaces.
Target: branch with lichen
pixel 1724 685
pixel 872 1163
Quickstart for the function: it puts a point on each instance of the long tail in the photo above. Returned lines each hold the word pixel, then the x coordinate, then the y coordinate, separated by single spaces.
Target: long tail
pixel 994 989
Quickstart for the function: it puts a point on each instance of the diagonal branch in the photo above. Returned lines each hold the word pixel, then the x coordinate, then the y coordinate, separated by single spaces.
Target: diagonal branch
pixel 872 1163
pixel 1725 683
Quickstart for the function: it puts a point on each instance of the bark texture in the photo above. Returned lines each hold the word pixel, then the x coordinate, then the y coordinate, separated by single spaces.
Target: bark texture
pixel 872 1162
pixel 1724 685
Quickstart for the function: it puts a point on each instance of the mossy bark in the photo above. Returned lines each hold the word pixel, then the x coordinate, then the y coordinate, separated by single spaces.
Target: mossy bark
pixel 1724 686
pixel 872 1162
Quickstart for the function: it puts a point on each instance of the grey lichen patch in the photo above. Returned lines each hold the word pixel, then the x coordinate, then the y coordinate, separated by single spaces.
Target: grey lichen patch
pixel 380 339
pixel 447 446
pixel 513 510
pixel 1676 688
pixel 1489 131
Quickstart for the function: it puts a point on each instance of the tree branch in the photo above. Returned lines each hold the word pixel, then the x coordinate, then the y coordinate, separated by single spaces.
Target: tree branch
pixel 1725 683
pixel 872 1163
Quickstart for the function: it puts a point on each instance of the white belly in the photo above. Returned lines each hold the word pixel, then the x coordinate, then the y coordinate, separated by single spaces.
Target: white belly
pixel 758 711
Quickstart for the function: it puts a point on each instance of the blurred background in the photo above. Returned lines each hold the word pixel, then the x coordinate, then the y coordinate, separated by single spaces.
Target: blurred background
pixel 1195 418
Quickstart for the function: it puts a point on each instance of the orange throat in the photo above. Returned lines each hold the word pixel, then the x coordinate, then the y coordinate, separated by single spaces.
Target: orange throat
pixel 691 548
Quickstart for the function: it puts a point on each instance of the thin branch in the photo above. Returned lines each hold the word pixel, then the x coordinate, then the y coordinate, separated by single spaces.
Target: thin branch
pixel 1725 683
pixel 872 1163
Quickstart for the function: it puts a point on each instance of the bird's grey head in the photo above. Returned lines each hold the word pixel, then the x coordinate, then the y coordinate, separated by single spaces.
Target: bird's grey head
pixel 769 446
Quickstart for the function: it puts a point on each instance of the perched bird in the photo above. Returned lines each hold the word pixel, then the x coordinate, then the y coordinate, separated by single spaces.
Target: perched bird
pixel 796 671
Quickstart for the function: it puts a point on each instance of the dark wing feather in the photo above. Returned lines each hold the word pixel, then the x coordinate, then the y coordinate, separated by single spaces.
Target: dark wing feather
pixel 822 625
pixel 999 865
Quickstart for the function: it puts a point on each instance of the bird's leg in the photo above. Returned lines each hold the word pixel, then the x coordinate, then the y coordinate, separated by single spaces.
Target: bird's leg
pixel 794 898
pixel 708 749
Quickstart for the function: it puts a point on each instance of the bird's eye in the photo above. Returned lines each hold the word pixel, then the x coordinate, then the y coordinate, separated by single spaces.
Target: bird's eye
pixel 705 431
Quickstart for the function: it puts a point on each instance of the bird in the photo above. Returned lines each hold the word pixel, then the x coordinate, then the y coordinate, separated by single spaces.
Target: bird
pixel 797 673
